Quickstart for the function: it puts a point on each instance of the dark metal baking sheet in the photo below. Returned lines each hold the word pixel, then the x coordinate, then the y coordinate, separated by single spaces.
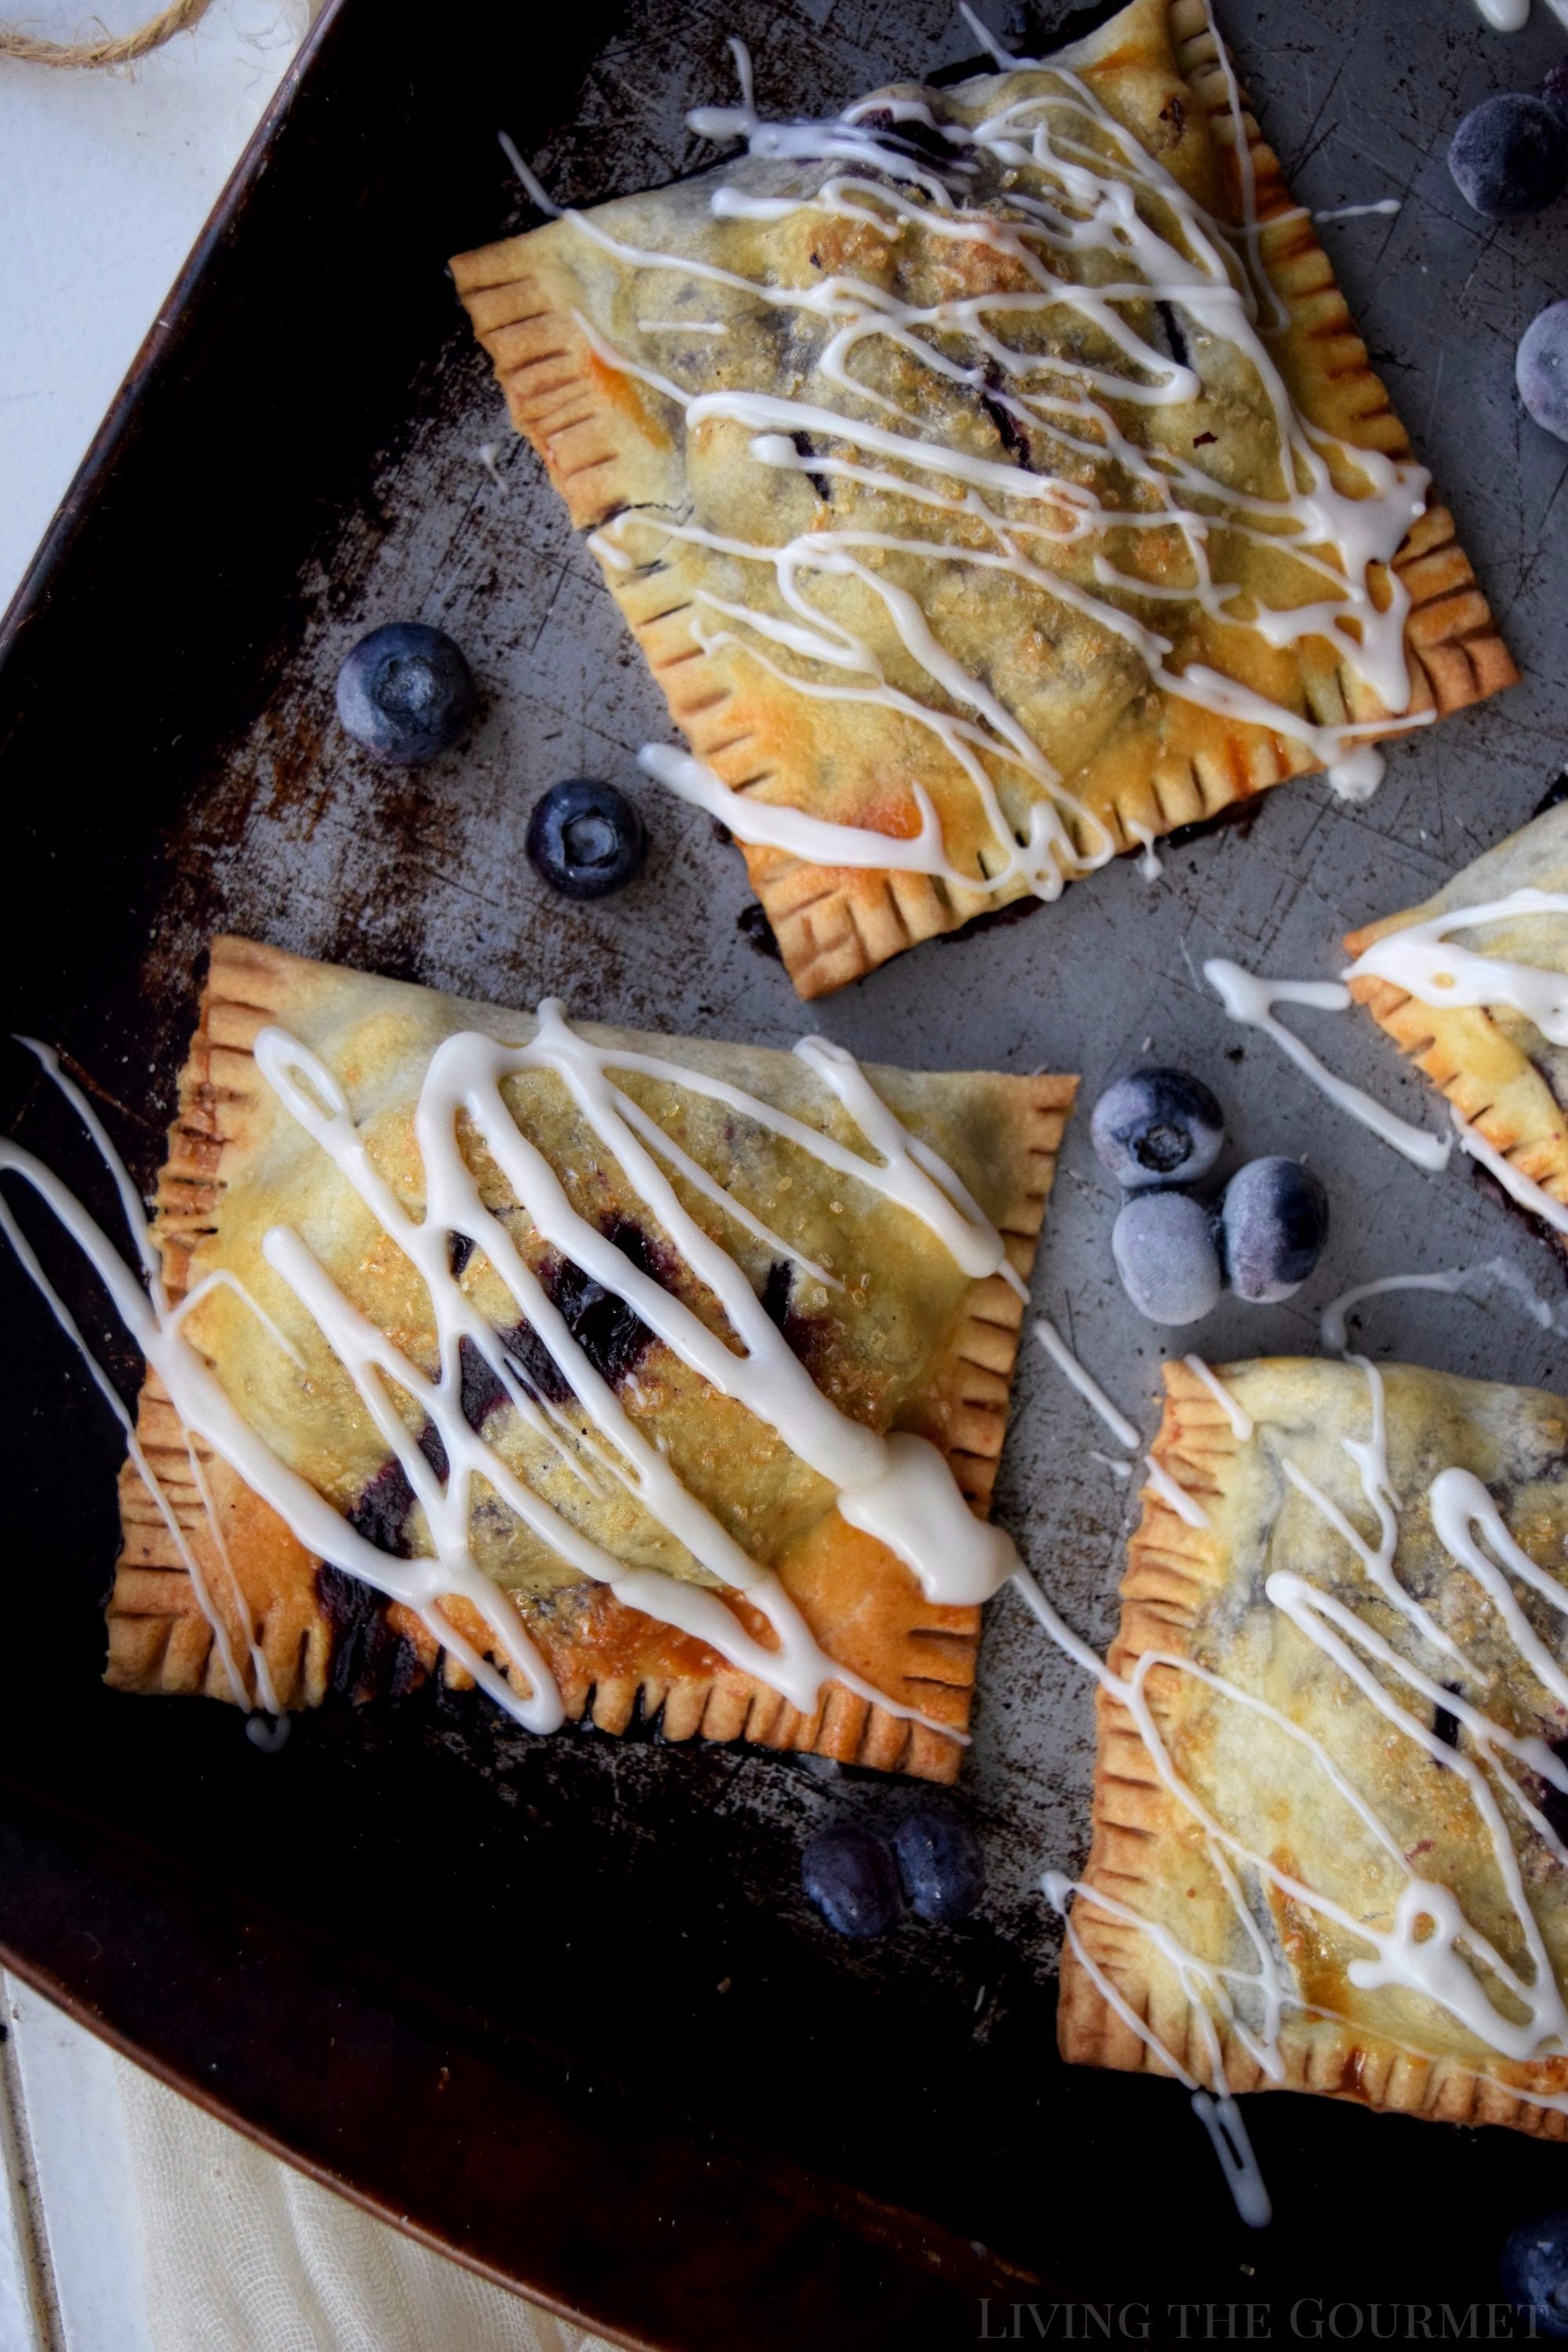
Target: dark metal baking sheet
pixel 472 1977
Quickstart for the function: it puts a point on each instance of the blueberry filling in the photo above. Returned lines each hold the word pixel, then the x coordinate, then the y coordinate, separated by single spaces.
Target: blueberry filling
pixel 1009 426
pixel 1175 334
pixel 1445 1722
pixel 924 140
pixel 367 1657
pixel 611 1334
pixel 804 446
pixel 383 1509
pixel 459 1250
pixel 801 1333
pixel 1551 1802
pixel 480 1392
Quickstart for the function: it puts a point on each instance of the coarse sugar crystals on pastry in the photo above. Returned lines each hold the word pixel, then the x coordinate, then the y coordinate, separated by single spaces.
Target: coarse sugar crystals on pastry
pixel 992 477
pixel 1330 1796
pixel 630 1374
pixel 1473 987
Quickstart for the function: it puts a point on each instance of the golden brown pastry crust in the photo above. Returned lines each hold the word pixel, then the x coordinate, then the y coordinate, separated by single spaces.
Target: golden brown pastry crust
pixel 608 445
pixel 862 1603
pixel 1146 1851
pixel 1479 1058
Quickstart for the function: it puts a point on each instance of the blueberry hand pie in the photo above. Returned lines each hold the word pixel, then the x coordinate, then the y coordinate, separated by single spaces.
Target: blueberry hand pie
pixel 992 479
pixel 623 1372
pixel 1473 986
pixel 1330 1800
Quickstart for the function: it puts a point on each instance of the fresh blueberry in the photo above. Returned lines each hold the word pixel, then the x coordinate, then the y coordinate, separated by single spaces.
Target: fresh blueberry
pixel 1555 88
pixel 1157 1127
pixel 1273 1225
pixel 405 692
pixel 1163 1245
pixel 939 1862
pixel 852 1878
pixel 586 839
pixel 1542 369
pixel 1535 2272
pixel 1510 154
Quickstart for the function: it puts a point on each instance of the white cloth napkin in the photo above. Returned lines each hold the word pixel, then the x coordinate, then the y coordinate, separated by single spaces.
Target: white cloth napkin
pixel 244 2252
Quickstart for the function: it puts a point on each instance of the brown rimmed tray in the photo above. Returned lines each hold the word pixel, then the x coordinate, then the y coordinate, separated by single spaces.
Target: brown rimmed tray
pixel 507 2031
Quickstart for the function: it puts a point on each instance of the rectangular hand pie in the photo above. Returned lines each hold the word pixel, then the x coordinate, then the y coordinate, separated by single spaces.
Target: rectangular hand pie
pixel 628 1372
pixel 1329 1798
pixel 992 477
pixel 1473 986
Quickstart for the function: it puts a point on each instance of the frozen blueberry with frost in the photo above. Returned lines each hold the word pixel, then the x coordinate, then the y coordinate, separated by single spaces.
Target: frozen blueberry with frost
pixel 1534 2271
pixel 939 1862
pixel 1542 369
pixel 1510 154
pixel 1157 1126
pixel 1273 1225
pixel 850 1875
pixel 405 692
pixel 1164 1251
pixel 586 839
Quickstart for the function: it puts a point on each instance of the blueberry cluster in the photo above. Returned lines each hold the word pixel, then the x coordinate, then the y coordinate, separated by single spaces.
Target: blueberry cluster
pixel 1159 1130
pixel 1507 157
pixel 406 693
pixel 861 1880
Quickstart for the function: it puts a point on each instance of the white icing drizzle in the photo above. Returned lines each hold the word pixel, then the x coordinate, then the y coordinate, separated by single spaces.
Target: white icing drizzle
pixel 1239 1420
pixel 1084 1381
pixel 1187 1507
pixel 1460 1279
pixel 1251 1000
pixel 1358 775
pixel 1523 1189
pixel 1151 865
pixel 1513 16
pixel 1065 196
pixel 1386 206
pixel 898 1487
pixel 1423 961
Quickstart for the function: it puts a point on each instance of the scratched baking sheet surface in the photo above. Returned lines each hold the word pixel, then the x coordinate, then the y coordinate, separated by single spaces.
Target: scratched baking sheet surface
pixel 305 841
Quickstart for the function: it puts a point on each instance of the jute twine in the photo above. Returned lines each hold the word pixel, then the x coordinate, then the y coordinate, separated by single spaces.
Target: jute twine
pixel 120 49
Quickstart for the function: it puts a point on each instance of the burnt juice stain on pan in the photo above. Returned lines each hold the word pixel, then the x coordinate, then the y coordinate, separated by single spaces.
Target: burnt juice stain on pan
pixel 1552 797
pixel 758 933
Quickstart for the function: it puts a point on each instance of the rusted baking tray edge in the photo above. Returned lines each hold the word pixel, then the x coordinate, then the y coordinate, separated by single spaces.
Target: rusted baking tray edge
pixel 589 2199
pixel 592 2202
